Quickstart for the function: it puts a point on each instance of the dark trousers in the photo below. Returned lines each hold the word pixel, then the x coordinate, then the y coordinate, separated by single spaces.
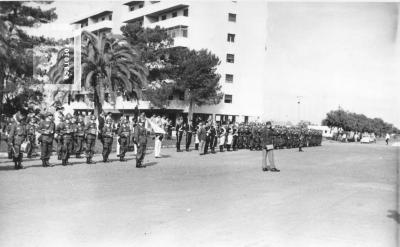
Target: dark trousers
pixel 213 143
pixel 66 148
pixel 234 143
pixel 107 145
pixel 207 145
pixel 46 147
pixel 31 139
pixel 90 144
pixel 178 140
pixel 188 140
pixel 123 142
pixel 79 144
pixel 59 147
pixel 141 152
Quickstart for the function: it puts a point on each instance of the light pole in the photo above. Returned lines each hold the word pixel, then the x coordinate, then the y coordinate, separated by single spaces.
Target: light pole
pixel 298 107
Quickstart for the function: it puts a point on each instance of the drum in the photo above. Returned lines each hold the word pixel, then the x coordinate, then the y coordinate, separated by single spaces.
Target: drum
pixel 25 146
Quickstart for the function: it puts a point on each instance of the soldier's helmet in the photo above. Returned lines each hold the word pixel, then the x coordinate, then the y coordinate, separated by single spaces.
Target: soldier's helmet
pixel 68 116
pixel 93 117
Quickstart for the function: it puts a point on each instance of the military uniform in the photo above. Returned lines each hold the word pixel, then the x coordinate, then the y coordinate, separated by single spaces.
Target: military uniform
pixel 179 134
pixel 107 139
pixel 46 129
pixel 66 131
pixel 123 133
pixel 58 137
pixel 90 133
pixel 141 139
pixel 79 137
pixel 17 136
pixel 189 132
pixel 8 130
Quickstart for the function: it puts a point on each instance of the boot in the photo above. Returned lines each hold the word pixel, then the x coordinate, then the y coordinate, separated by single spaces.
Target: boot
pixel 122 158
pixel 87 160
pixel 15 164
pixel 44 164
pixel 64 162
pixel 48 163
pixel 20 166
pixel 196 146
pixel 78 156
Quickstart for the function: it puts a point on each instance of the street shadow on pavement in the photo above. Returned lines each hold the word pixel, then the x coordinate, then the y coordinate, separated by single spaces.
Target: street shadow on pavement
pixel 150 164
pixel 393 214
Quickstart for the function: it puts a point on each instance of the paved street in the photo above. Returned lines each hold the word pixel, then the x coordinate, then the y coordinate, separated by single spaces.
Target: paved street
pixel 334 195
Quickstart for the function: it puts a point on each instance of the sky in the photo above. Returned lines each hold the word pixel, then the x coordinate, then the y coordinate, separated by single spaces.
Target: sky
pixel 325 54
pixel 333 55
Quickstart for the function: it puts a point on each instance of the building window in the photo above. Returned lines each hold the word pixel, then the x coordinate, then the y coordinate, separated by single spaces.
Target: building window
pixel 229 78
pixel 228 98
pixel 174 14
pixel 110 17
pixel 171 97
pixel 140 6
pixel 186 12
pixel 102 19
pixel 131 8
pixel 230 58
pixel 163 17
pixel 180 31
pixel 232 17
pixel 231 37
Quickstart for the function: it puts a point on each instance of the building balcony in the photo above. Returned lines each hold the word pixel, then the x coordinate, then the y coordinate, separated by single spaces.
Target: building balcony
pixel 181 42
pixel 171 22
pixel 99 26
pixel 153 10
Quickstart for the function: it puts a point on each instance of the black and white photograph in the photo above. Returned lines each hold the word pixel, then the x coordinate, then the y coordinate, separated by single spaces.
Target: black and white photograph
pixel 199 123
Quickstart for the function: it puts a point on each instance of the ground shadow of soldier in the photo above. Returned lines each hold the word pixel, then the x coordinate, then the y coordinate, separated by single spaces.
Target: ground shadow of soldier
pixel 393 214
pixel 150 164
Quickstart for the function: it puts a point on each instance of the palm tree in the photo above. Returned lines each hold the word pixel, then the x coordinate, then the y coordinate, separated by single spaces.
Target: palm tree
pixel 109 65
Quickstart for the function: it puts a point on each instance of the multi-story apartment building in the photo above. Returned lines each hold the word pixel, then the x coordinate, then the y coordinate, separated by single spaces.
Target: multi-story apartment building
pixel 234 31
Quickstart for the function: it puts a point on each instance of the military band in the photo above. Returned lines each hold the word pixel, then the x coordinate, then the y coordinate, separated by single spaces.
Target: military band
pixel 75 134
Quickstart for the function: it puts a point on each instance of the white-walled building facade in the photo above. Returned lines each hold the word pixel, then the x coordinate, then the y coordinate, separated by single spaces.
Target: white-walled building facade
pixel 234 31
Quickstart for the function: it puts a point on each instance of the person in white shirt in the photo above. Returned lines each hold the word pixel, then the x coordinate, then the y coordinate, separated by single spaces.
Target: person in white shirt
pixel 387 138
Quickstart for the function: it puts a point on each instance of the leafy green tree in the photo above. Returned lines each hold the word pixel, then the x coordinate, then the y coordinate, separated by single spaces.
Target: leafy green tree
pixel 195 75
pixel 357 122
pixel 154 44
pixel 109 65
pixel 15 45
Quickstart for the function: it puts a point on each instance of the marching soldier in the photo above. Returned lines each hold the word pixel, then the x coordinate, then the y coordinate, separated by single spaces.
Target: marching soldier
pixel 17 136
pixel 179 134
pixel 107 138
pixel 47 129
pixel 123 133
pixel 222 134
pixel 10 123
pixel 31 131
pixel 189 132
pixel 66 130
pixel 58 137
pixel 213 138
pixel 235 138
pixel 141 140
pixel 79 136
pixel 90 133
